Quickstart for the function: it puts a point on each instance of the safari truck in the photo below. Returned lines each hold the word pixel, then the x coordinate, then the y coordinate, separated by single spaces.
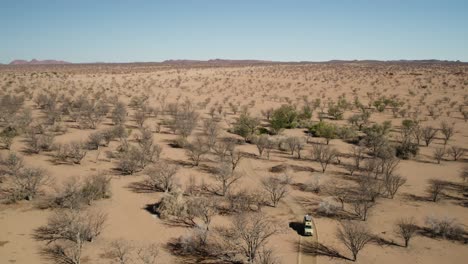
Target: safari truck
pixel 308 230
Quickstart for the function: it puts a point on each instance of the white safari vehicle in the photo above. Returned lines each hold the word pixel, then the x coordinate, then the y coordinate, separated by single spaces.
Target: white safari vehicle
pixel 308 230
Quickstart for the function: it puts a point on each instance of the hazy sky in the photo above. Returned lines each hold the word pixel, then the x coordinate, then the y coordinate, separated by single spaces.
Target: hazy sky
pixel 288 30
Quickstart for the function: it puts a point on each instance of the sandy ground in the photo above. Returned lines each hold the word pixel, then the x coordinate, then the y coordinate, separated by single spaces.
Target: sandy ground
pixel 258 88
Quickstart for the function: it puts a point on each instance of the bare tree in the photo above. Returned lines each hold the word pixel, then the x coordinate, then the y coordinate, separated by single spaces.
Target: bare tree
pixel 428 134
pixel 120 250
pixel 354 236
pixel 447 131
pixel 161 176
pixel 276 188
pixel 456 152
pixel 370 188
pixel 212 131
pixel 392 183
pixel 358 153
pixel 406 229
pixel 226 177
pixel 148 254
pixel 250 233
pixel 261 142
pixel 439 154
pixel 324 154
pixel 338 192
pixel 361 207
pixel 196 149
pixel 204 208
pixel 435 189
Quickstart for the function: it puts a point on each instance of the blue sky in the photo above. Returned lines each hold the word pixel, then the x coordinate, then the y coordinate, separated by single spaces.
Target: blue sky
pixel 288 30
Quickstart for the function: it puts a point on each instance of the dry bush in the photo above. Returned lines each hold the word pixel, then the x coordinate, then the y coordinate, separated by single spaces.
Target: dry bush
pixel 13 164
pixel 25 183
pixel 119 113
pixel 73 194
pixel 161 176
pixel 38 143
pixel 6 137
pixel 131 160
pixel 94 140
pixel 173 206
pixel 246 200
pixel 327 208
pixel 447 228
pixel 73 152
pixel 149 150
pixel 354 236
pixel 67 231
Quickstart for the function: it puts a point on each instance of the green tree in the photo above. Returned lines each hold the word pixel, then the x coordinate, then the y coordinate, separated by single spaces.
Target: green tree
pixel 325 130
pixel 245 126
pixel 284 117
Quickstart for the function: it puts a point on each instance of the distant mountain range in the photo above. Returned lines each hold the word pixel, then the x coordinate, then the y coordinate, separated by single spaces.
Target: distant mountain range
pixel 229 62
pixel 37 62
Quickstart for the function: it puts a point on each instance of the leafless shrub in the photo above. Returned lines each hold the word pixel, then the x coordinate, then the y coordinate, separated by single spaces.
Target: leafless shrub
pixel 120 250
pixel 73 194
pixel 26 184
pixel 444 227
pixel 161 176
pixel 196 149
pixel 246 200
pixel 68 231
pixel 13 163
pixel 148 254
pixel 149 150
pixel 327 208
pixel 131 160
pixel 38 143
pixel 73 152
pixel 94 140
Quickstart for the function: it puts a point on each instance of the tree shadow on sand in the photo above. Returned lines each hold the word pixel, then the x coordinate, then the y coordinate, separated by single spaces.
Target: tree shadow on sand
pixel 319 249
